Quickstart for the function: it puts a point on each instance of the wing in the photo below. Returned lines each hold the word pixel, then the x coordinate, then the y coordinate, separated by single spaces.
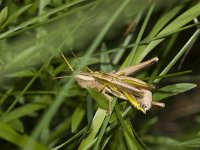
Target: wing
pixel 133 69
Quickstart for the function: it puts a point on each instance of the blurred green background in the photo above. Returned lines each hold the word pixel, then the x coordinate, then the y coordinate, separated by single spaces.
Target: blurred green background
pixel 38 112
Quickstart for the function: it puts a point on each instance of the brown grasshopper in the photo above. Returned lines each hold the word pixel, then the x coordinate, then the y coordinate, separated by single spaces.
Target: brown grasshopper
pixel 118 84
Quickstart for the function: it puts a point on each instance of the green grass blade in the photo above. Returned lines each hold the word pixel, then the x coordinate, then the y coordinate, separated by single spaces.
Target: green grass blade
pixel 77 117
pixel 50 20
pixel 103 128
pixel 90 114
pixel 38 18
pixel 16 14
pixel 131 145
pixel 167 75
pixel 60 129
pixel 105 142
pixel 176 24
pixel 17 125
pixel 3 16
pixel 165 53
pixel 101 133
pixel 148 40
pixel 130 139
pixel 129 62
pixel 70 140
pixel 162 141
pixel 172 90
pixel 100 99
pixel 119 53
pixel 4 97
pixel 105 29
pixel 192 143
pixel 158 26
pixel 27 109
pixel 17 60
pixel 162 22
pixel 9 134
pixel 25 89
pixel 105 60
pixel 180 53
pixel 94 129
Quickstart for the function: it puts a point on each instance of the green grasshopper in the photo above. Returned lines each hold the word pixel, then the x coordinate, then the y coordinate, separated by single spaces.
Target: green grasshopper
pixel 118 84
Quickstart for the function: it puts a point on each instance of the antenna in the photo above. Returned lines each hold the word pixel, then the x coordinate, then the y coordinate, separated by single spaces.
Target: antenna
pixel 66 61
pixel 61 77
pixel 80 61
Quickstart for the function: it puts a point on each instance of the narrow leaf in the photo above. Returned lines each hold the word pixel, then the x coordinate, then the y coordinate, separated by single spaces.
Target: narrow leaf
pixel 26 109
pixel 101 100
pixel 16 14
pixel 61 128
pixel 94 129
pixel 129 136
pixel 9 134
pixel 184 49
pixel 17 125
pixel 70 140
pixel 129 60
pixel 131 142
pixel 171 90
pixel 164 141
pixel 194 143
pixel 3 16
pixel 37 18
pixel 176 24
pixel 164 20
pixel 139 37
pixel 103 128
pixel 105 60
pixel 170 75
pixel 77 117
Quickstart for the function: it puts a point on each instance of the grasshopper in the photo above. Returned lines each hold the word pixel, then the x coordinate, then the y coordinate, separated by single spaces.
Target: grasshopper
pixel 120 85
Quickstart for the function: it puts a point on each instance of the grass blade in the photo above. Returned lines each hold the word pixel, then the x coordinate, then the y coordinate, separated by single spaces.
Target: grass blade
pixel 77 117
pixel 25 89
pixel 171 90
pixel 176 24
pixel 70 140
pixel 3 16
pixel 192 143
pixel 38 18
pixel 16 14
pixel 9 134
pixel 130 139
pixel 103 128
pixel 180 53
pixel 96 124
pixel 129 62
pixel 27 109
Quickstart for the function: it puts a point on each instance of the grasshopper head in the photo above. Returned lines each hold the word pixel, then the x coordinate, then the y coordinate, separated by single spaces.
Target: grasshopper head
pixel 145 101
pixel 145 107
pixel 84 79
